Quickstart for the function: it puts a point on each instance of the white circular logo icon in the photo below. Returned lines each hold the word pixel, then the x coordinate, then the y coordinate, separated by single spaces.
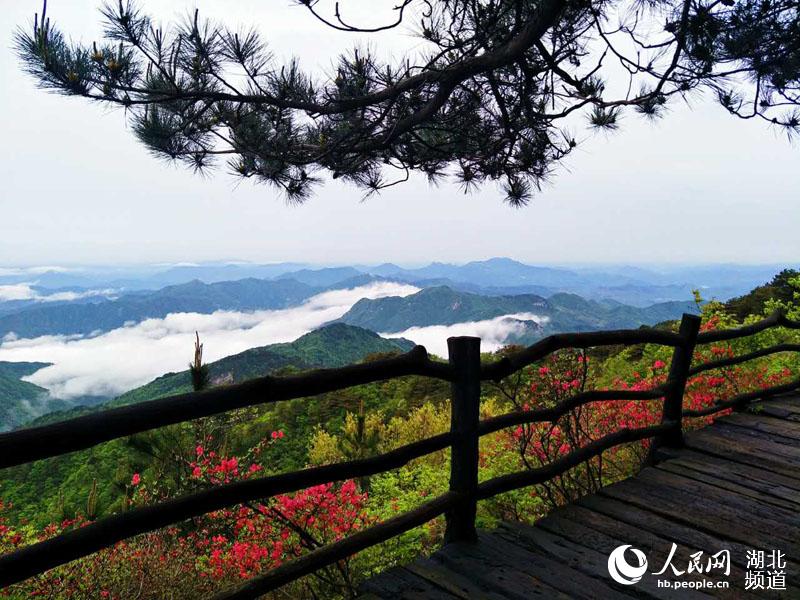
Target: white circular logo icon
pixel 621 570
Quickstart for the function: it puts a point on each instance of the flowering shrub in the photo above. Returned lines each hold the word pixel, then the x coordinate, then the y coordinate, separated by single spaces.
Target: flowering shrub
pixel 218 549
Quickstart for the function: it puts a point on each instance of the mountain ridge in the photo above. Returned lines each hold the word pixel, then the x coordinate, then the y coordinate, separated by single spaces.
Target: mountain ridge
pixel 330 346
pixel 560 312
pixel 194 296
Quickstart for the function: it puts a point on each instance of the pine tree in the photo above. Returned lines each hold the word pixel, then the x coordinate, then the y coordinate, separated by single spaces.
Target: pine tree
pixel 491 94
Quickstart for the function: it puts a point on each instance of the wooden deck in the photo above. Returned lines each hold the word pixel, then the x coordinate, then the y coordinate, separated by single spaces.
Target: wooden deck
pixel 735 486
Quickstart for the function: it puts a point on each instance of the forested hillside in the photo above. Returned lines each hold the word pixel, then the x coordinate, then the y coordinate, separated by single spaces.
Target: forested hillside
pixel 331 346
pixel 21 401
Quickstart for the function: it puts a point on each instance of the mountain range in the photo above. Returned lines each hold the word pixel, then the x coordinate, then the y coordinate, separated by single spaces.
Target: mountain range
pixel 528 302
pixel 83 318
pixel 334 345
pixel 561 312
pixel 628 284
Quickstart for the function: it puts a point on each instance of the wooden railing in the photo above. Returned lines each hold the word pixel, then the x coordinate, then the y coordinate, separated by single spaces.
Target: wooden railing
pixel 465 373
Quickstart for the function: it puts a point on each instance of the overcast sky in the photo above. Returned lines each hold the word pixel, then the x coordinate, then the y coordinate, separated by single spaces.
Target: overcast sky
pixel 76 187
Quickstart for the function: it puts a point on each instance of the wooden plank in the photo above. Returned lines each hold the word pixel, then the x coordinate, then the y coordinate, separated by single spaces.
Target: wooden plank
pixel 779 448
pixel 759 481
pixel 735 486
pixel 724 448
pixel 755 477
pixel 710 493
pixel 763 423
pixel 570 579
pixel 599 529
pixel 516 573
pixel 604 533
pixel 700 513
pixel 591 560
pixel 662 526
pixel 498 577
pixel 401 584
pixel 703 513
pixel 456 584
pixel 783 408
pixel 773 411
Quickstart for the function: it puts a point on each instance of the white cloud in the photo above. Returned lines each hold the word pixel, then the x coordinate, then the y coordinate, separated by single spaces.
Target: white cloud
pixel 127 357
pixel 70 296
pixel 493 332
pixel 17 291
pixel 24 291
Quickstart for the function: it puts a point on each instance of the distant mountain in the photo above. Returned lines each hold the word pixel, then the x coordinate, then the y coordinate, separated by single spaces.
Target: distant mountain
pixel 570 312
pixel 383 270
pixel 323 277
pixel 40 296
pixel 560 312
pixel 501 272
pixel 214 273
pixel 503 277
pixel 331 346
pixel 436 306
pixel 195 296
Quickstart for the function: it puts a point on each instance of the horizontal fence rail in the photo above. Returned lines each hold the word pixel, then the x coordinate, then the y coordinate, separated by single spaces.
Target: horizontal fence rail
pixel 544 415
pixel 511 364
pixel 737 360
pixel 26 445
pixel 464 372
pixel 56 551
pixel 776 319
pixel 742 400
pixel 514 481
pixel 327 555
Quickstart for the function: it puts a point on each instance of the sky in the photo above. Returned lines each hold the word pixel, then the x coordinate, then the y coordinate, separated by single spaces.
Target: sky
pixel 77 188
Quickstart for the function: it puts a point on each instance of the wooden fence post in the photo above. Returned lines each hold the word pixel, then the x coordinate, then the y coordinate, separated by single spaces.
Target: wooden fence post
pixel 678 373
pixel 465 357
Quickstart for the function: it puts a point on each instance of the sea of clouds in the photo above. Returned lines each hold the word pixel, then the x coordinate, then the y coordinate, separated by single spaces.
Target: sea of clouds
pixel 119 360
pixel 25 291
pixel 493 332
pixel 113 362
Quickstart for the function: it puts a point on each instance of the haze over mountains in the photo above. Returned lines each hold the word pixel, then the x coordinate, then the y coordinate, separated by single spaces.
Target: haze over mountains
pixel 83 336
pixel 633 285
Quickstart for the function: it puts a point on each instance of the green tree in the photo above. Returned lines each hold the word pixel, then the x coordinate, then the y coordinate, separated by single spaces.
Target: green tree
pixel 488 96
